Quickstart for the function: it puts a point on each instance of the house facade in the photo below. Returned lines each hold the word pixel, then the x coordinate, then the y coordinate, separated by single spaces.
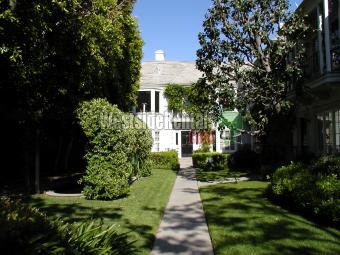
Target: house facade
pixel 171 130
pixel 318 118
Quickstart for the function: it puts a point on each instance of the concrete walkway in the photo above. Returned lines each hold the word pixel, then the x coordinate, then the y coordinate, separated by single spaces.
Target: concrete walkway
pixel 183 229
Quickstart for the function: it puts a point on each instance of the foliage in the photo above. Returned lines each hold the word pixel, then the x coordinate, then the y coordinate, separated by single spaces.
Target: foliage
pixel 55 54
pixel 244 48
pixel 92 238
pixel 119 147
pixel 165 159
pixel 177 97
pixel 204 147
pixel 244 159
pixel 183 99
pixel 142 149
pixel 313 189
pixel 25 230
pixel 243 221
pixel 209 160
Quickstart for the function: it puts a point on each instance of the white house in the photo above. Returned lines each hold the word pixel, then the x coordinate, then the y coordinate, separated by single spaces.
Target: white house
pixel 171 131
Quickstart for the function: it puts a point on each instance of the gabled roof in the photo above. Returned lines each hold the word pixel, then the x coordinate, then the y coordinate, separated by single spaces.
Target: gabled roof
pixel 155 74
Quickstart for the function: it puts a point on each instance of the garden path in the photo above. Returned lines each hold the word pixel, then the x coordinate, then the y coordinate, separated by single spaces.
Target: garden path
pixel 183 229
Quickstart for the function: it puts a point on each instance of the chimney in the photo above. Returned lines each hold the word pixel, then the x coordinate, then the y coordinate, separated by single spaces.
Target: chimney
pixel 159 55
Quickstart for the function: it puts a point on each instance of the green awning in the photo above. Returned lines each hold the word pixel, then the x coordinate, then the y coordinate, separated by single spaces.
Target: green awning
pixel 231 120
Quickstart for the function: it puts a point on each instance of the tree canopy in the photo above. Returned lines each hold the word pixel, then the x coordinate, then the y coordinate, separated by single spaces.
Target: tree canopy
pixel 249 51
pixel 55 54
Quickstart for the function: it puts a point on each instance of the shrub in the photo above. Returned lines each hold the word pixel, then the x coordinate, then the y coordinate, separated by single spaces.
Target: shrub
pixel 326 165
pixel 313 189
pixel 25 230
pixel 119 147
pixel 245 159
pixel 142 149
pixel 209 160
pixel 165 159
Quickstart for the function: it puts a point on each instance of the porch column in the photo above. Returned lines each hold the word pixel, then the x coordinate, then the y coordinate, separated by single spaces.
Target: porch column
pixel 152 101
pixel 321 60
pixel 218 140
pixel 327 36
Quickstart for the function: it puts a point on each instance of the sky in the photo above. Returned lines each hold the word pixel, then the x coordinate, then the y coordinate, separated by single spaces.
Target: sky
pixel 173 26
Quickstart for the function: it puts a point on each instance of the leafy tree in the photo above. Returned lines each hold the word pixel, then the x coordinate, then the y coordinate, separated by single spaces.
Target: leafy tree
pixel 54 54
pixel 249 51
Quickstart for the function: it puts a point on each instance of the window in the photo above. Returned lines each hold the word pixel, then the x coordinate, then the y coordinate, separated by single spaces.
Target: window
pixel 328 126
pixel 320 132
pixel 326 135
pixel 144 101
pixel 176 138
pixel 157 101
pixel 337 131
pixel 156 140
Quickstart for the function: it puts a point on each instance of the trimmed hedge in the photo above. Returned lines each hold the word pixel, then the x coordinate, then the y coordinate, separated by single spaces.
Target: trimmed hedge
pixel 165 159
pixel 313 189
pixel 119 148
pixel 25 230
pixel 209 160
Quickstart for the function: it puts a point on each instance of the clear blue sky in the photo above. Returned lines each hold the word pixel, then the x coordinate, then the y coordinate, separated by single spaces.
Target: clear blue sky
pixel 172 26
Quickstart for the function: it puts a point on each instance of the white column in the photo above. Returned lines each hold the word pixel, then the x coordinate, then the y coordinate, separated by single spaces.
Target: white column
pixel 321 60
pixel 218 140
pixel 152 101
pixel 327 36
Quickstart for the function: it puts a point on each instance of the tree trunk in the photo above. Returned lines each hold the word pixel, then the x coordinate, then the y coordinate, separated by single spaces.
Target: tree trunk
pixel 58 156
pixel 37 162
pixel 68 153
pixel 27 173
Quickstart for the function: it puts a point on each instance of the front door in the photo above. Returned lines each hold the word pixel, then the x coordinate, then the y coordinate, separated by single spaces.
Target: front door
pixel 186 144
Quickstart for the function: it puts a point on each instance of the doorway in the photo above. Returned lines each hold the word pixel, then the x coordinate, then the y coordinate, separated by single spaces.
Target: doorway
pixel 186 144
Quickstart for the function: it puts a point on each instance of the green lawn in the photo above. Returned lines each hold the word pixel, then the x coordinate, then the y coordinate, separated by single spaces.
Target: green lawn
pixel 242 221
pixel 139 214
pixel 219 175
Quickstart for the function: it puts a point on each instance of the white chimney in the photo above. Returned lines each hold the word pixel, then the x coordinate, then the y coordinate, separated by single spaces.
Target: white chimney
pixel 159 55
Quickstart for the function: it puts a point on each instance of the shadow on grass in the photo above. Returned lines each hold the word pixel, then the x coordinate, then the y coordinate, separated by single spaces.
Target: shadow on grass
pixel 81 210
pixel 241 221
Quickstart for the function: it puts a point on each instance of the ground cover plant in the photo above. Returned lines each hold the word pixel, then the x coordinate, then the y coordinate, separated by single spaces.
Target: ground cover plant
pixel 138 214
pixel 243 221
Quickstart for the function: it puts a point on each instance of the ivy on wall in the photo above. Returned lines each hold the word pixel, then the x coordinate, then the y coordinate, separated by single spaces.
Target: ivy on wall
pixel 178 97
pixel 181 98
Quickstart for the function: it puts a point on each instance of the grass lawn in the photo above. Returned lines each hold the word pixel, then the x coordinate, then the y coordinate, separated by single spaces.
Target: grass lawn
pixel 242 221
pixel 139 214
pixel 219 175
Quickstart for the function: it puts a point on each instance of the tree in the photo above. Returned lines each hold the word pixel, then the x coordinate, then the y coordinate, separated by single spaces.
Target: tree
pixel 249 51
pixel 53 55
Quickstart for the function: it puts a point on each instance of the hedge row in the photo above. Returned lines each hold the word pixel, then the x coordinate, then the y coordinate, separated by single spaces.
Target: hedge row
pixel 313 189
pixel 25 230
pixel 165 159
pixel 119 148
pixel 209 160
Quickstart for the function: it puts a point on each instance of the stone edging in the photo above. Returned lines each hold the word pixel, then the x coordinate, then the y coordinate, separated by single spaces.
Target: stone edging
pixel 54 194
